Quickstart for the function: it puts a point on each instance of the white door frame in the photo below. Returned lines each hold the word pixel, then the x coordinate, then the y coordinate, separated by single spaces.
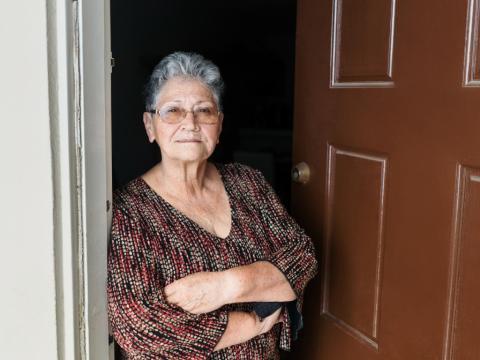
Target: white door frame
pixel 79 89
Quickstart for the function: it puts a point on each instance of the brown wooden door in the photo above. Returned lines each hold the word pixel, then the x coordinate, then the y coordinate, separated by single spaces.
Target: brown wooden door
pixel 387 117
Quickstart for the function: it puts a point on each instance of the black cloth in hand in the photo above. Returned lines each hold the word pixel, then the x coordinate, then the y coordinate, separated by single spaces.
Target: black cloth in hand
pixel 264 309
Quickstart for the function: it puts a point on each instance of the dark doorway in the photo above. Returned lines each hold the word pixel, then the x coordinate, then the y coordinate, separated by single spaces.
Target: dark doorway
pixel 253 43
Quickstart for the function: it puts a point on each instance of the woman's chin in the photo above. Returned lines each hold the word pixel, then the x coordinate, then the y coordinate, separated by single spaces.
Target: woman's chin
pixel 189 152
pixel 192 157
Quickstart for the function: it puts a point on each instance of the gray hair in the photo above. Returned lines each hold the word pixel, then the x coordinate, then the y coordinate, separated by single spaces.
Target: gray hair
pixel 188 65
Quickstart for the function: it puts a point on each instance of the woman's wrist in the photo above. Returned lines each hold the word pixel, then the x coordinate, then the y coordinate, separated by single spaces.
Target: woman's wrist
pixel 233 285
pixel 258 281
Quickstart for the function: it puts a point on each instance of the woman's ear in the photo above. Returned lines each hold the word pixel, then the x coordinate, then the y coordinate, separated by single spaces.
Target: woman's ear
pixel 148 122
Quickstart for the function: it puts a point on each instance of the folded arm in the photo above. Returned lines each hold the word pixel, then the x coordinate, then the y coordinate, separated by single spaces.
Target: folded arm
pixel 203 292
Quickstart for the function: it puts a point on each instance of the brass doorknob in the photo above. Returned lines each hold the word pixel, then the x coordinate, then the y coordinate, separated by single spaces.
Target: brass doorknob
pixel 301 173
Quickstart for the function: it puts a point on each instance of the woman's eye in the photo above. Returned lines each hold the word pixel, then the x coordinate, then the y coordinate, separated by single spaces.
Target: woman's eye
pixel 171 110
pixel 205 110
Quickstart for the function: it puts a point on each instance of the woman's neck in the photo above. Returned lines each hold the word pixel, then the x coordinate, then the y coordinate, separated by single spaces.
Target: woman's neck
pixel 182 178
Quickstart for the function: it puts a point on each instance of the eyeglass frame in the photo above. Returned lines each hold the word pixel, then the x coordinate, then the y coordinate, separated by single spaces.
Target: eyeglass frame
pixel 158 112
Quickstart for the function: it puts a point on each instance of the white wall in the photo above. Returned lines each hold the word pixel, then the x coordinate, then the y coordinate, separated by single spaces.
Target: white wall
pixel 27 287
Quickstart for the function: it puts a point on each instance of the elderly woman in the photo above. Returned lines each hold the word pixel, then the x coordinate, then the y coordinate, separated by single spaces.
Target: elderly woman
pixel 204 262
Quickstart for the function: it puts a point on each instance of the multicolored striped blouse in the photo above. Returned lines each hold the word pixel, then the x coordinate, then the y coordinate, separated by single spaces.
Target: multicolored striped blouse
pixel 154 244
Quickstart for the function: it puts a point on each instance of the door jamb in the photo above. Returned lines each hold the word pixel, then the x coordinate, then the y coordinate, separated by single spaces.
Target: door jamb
pixel 79 100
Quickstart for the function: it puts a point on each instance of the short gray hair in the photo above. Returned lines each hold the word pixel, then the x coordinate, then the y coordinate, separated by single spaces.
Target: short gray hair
pixel 187 65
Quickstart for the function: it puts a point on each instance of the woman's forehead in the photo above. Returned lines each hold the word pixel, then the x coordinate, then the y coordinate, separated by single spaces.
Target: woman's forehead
pixel 183 90
pixel 181 102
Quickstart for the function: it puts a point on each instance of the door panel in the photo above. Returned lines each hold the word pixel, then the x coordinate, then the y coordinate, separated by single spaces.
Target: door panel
pixel 472 64
pixel 386 116
pixel 463 324
pixel 355 195
pixel 365 27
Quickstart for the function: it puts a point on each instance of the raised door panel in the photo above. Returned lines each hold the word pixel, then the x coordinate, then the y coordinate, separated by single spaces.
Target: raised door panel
pixel 362 43
pixel 463 325
pixel 354 242
pixel 472 48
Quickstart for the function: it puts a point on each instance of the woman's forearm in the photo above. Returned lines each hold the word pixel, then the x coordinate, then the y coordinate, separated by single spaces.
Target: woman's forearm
pixel 260 281
pixel 241 327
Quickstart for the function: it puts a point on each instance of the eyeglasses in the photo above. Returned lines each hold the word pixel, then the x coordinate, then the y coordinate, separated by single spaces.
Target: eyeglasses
pixel 176 114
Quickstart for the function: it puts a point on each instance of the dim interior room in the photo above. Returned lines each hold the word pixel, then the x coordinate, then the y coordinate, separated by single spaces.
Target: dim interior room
pixel 252 42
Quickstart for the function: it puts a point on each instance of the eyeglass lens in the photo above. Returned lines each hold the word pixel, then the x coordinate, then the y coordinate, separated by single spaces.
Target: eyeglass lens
pixel 175 114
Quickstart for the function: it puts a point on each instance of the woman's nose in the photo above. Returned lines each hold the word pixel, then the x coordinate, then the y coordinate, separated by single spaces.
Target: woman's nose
pixel 189 122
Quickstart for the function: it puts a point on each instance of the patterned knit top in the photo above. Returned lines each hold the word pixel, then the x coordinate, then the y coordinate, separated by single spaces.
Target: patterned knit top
pixel 154 244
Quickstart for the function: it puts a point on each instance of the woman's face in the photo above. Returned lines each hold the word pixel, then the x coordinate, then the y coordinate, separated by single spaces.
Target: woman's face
pixel 187 140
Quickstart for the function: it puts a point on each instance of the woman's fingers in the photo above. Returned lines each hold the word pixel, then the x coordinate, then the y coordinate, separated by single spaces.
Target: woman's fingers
pixel 169 290
pixel 176 296
pixel 197 293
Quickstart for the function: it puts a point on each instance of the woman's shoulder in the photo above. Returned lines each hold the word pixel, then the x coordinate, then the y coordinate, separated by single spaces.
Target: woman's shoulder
pixel 128 198
pixel 242 172
pixel 245 180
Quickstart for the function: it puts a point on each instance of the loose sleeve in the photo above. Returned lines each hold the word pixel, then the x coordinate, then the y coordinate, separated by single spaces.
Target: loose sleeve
pixel 293 252
pixel 142 321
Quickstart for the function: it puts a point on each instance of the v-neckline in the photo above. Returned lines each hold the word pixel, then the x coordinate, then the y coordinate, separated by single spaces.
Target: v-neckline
pixel 180 214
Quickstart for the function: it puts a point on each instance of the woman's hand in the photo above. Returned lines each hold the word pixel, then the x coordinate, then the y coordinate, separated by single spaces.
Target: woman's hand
pixel 267 323
pixel 244 326
pixel 199 293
